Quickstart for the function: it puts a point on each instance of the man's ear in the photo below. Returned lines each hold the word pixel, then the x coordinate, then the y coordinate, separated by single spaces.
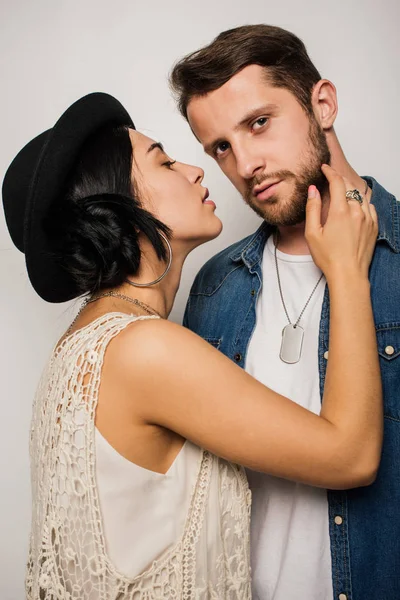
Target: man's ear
pixel 324 103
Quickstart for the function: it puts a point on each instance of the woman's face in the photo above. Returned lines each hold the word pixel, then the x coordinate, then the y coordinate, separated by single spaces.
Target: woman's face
pixel 173 193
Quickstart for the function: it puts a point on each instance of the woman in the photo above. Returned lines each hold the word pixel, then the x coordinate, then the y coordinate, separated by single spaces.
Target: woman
pixel 129 498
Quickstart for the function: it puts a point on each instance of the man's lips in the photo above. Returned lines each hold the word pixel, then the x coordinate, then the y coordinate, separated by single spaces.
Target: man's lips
pixel 257 189
pixel 265 190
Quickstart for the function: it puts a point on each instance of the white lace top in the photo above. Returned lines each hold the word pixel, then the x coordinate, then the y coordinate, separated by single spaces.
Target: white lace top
pixel 70 554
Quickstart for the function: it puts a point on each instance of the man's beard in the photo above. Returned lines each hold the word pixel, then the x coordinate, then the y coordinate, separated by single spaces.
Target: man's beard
pixel 291 210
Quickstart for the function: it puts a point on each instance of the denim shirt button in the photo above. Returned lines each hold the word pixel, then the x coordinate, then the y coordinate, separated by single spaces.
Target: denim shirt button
pixel 326 354
pixel 389 350
pixel 238 357
pixel 253 292
pixel 338 520
pixel 342 597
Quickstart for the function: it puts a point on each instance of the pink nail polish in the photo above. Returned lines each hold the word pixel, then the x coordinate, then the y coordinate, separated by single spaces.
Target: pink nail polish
pixel 312 191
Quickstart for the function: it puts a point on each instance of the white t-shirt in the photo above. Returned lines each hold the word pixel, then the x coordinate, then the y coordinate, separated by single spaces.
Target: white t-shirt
pixel 290 546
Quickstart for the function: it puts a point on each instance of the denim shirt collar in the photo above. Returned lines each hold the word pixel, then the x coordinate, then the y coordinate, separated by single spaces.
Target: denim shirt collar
pixel 387 207
pixel 251 250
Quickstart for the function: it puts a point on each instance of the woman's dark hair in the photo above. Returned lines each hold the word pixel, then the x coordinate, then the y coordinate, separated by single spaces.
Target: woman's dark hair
pixel 284 56
pixel 94 228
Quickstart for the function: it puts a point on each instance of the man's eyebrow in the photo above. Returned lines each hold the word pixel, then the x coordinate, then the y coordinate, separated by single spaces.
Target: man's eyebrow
pixel 154 146
pixel 256 112
pixel 251 115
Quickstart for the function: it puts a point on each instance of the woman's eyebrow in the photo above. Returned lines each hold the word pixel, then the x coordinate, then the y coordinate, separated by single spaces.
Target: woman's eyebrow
pixel 156 145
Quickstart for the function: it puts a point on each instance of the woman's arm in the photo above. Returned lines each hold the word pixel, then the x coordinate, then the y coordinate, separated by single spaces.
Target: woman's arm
pixel 180 382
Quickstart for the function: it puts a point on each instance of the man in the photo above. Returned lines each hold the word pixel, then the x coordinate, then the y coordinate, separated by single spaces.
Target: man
pixel 260 108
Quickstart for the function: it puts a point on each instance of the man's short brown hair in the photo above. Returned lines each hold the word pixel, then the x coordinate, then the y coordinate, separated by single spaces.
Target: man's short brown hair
pixel 283 55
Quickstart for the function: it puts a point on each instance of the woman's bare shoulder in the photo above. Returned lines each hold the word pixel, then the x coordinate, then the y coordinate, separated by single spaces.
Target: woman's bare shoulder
pixel 149 343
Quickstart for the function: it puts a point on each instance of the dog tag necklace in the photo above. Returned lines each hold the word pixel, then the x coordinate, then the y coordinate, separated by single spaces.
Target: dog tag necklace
pixel 292 334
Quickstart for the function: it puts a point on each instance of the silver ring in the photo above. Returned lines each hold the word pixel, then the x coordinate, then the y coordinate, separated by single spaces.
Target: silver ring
pixel 354 195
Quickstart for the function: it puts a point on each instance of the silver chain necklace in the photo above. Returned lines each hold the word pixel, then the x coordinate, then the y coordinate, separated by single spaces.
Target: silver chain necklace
pixel 145 307
pixel 292 334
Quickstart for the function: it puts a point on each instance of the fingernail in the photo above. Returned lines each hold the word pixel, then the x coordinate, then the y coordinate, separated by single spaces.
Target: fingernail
pixel 312 191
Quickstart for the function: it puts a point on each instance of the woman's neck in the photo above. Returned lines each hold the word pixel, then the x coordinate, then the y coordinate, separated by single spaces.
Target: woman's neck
pixel 161 296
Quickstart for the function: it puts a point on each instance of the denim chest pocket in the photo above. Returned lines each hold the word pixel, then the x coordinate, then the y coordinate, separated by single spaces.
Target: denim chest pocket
pixel 388 337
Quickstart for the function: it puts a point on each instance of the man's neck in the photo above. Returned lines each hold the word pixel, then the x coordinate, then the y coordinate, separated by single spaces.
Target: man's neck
pixel 292 240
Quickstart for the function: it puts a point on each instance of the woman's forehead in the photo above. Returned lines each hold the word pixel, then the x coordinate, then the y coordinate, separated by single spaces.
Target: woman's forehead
pixel 140 142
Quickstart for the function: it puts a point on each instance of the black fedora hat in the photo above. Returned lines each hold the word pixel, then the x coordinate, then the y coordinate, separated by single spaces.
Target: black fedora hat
pixel 35 180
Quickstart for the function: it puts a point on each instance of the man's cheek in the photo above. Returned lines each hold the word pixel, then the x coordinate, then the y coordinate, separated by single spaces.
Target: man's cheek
pixel 231 173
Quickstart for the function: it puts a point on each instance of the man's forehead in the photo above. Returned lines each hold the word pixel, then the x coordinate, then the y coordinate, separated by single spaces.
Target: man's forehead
pixel 229 108
pixel 242 84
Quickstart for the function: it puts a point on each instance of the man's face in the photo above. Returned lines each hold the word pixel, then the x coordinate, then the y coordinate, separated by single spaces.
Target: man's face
pixel 264 142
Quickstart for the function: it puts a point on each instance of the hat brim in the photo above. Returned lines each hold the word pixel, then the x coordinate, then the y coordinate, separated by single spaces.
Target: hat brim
pixel 64 140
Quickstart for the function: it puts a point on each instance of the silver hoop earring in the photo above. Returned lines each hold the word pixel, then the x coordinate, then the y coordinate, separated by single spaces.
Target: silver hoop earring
pixel 165 272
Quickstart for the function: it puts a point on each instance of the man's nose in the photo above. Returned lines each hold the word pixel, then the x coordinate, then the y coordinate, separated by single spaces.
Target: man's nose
pixel 249 164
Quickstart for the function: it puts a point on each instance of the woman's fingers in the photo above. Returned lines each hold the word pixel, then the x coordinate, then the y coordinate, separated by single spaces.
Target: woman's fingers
pixel 374 216
pixel 357 209
pixel 313 213
pixel 337 189
pixel 349 232
pixel 363 210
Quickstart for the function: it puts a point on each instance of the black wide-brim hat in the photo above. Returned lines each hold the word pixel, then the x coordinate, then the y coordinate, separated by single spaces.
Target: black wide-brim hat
pixel 36 179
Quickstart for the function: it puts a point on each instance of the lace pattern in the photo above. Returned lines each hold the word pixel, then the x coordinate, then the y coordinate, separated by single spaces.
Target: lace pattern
pixel 68 552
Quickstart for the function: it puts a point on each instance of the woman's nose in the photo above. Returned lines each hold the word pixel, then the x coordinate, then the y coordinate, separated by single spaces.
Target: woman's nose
pixel 194 174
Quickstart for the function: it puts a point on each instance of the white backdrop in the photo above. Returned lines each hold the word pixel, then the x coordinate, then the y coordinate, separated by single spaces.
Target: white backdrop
pixel 54 51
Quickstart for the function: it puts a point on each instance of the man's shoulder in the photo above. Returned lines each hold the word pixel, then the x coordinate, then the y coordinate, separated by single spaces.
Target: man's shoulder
pixel 388 209
pixel 378 191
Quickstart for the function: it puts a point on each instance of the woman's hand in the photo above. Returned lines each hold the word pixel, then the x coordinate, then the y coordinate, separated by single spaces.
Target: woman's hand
pixel 347 240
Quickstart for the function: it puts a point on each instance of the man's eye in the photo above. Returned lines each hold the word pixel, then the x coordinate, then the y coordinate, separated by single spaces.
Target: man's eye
pixel 260 123
pixel 221 148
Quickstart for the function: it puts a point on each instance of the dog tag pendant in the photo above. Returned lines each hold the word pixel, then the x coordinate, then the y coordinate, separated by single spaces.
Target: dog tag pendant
pixel 292 342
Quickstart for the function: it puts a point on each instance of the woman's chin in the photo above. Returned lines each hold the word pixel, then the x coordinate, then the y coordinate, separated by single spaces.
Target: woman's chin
pixel 206 236
pixel 215 230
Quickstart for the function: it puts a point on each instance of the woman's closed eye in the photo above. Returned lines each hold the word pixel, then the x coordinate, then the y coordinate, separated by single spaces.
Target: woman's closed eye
pixel 168 163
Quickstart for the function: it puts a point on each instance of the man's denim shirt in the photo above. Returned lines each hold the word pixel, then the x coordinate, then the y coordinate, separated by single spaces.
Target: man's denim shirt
pixel 365 541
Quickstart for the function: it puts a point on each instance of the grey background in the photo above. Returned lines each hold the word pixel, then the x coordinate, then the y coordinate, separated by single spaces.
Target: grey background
pixel 54 51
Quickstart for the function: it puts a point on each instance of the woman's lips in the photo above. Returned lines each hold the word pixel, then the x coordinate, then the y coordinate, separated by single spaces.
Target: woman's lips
pixel 210 202
pixel 206 200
